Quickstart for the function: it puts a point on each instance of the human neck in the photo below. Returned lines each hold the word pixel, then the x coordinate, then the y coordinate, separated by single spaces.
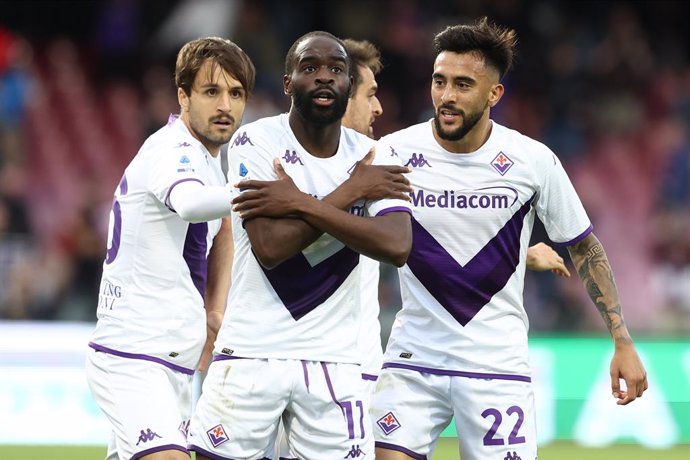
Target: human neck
pixel 319 140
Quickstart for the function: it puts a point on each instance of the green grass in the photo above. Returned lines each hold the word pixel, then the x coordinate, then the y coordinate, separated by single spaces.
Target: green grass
pixel 446 450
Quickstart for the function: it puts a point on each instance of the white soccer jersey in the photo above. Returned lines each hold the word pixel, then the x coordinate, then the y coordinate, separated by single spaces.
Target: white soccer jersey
pixel 462 286
pixel 309 306
pixel 150 304
pixel 370 329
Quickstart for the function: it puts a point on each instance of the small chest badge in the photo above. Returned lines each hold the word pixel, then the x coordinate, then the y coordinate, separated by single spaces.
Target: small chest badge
pixel 502 163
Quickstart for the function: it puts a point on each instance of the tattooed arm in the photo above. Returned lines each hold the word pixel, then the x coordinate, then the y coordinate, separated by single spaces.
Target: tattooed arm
pixel 595 271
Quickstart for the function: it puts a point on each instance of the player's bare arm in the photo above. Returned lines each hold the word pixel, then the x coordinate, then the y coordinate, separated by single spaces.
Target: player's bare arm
pixel 277 235
pixel 595 271
pixel 542 257
pixel 217 286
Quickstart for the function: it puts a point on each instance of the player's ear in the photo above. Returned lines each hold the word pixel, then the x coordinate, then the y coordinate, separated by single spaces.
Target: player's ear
pixel 183 100
pixel 287 85
pixel 495 94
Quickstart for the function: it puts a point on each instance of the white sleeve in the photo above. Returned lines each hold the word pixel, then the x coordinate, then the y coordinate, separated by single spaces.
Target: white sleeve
pixel 195 202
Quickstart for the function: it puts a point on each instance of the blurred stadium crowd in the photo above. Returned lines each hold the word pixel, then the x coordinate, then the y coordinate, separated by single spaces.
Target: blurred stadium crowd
pixel 605 84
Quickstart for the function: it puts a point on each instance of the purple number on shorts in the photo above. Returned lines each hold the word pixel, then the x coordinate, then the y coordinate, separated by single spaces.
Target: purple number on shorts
pixel 347 406
pixel 514 438
pixel 114 245
pixel 489 439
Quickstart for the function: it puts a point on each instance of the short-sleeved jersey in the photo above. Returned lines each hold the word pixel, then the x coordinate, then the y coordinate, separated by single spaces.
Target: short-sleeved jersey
pixel 150 304
pixel 462 285
pixel 308 307
pixel 370 329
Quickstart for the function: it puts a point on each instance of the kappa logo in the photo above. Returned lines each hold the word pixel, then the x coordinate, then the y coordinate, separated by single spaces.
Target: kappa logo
pixel 292 157
pixel 512 456
pixel 355 452
pixel 393 152
pixel 217 435
pixel 183 144
pixel 502 163
pixel 242 139
pixel 388 423
pixel 417 161
pixel 146 436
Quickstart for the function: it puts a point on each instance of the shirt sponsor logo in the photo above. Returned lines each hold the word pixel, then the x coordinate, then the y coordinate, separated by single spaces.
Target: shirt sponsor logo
pixel 484 198
pixel 217 435
pixel 388 423
pixel 502 163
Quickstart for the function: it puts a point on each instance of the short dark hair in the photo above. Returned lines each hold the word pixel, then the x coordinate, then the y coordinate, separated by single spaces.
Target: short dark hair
pixel 222 52
pixel 290 56
pixel 495 43
pixel 362 53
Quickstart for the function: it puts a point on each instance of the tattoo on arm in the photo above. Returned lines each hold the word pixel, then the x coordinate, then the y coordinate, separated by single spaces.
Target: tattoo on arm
pixel 595 272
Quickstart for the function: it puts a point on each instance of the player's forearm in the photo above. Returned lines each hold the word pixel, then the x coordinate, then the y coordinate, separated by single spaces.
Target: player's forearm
pixel 386 238
pixel 595 271
pixel 219 268
pixel 275 240
pixel 195 202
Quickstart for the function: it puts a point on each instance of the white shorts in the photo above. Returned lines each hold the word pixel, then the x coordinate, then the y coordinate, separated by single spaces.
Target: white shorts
pixel 495 418
pixel 148 404
pixel 243 400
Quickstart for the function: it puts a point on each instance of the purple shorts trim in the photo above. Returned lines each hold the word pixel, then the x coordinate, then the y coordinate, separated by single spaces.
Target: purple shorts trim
pixel 385 445
pixel 225 357
pixel 371 377
pixel 206 453
pixel 159 449
pixel 123 354
pixel 577 239
pixel 394 209
pixel 472 375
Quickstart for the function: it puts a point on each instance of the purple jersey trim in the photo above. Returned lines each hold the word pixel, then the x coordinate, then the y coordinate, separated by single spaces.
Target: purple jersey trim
pixel 394 209
pixel 208 454
pixel 386 445
pixel 194 254
pixel 123 354
pixel 577 239
pixel 371 377
pixel 472 375
pixel 166 201
pixel 305 371
pixel 159 449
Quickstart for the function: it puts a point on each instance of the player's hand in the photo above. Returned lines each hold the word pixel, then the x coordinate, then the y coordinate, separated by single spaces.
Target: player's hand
pixel 276 198
pixel 542 257
pixel 380 181
pixel 626 365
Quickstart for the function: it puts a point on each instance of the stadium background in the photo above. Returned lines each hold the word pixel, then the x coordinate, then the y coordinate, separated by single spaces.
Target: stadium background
pixel 605 84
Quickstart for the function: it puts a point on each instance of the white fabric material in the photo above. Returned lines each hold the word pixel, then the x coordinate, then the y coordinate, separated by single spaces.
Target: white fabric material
pixel 318 402
pixel 262 320
pixel 472 221
pixel 149 303
pixel 493 418
pixel 148 405
pixel 195 202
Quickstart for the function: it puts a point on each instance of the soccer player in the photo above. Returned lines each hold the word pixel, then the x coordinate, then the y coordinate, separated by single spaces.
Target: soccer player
pixel 459 345
pixel 363 108
pixel 167 209
pixel 287 348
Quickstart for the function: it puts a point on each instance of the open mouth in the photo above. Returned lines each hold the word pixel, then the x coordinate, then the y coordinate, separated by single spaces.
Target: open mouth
pixel 449 115
pixel 323 97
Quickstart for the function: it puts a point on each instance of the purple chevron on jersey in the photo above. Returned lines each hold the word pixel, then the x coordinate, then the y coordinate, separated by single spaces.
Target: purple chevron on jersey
pixel 302 287
pixel 464 290
pixel 194 254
